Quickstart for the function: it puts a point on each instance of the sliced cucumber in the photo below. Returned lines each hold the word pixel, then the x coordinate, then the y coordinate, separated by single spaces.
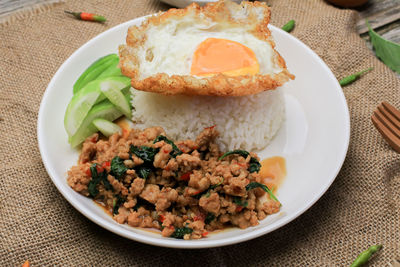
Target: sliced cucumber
pixel 106 127
pixel 113 93
pixel 94 70
pixel 105 110
pixel 83 101
pixel 112 70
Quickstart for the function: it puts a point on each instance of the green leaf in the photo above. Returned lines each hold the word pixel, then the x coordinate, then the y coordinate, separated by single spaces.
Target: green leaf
pixel 253 185
pixel 387 51
pixel 117 202
pixel 242 153
pixel 181 232
pixel 143 172
pixel 118 167
pixel 96 179
pixel 210 217
pixel 254 166
pixel 175 152
pixel 238 201
pixel 216 185
pixel 254 163
pixel 145 153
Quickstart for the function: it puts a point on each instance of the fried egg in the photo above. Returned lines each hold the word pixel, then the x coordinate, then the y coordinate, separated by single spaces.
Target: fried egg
pixel 222 49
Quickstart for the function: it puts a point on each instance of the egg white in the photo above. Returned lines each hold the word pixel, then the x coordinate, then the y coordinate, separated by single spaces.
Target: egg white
pixel 169 48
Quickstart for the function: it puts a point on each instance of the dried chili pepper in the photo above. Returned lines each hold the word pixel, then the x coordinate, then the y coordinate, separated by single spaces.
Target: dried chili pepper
pixel 86 16
pixel 351 78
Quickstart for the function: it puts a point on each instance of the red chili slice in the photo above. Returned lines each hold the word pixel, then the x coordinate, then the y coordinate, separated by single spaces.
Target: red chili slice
pixel 186 176
pixel 239 208
pixel 99 168
pixel 199 217
pixel 106 164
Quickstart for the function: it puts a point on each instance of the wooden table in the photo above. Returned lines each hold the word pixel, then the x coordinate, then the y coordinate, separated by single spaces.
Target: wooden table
pixel 384 17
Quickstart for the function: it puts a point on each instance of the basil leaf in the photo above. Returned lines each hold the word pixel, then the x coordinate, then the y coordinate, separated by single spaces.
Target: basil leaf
pixel 209 218
pixel 145 153
pixel 175 150
pixel 254 166
pixel 92 186
pixel 96 179
pixel 117 203
pixel 143 172
pixel 181 232
pixel 118 168
pixel 387 51
pixel 253 185
pixel 238 201
pixel 216 185
pixel 242 153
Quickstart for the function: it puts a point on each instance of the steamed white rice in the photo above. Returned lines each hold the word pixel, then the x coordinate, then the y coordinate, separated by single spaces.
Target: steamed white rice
pixel 246 122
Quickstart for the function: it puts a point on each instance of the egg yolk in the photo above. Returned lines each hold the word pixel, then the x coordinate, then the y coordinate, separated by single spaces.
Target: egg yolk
pixel 228 57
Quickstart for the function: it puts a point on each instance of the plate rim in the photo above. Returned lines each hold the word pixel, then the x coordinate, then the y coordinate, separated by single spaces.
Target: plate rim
pixel 186 244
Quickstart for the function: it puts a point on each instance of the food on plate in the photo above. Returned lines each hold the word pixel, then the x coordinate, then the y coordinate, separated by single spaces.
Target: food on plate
pixel 107 128
pixel 221 49
pixel 185 188
pixel 105 110
pixel 246 122
pixel 101 92
pixel 191 68
pixel 87 97
pixel 99 67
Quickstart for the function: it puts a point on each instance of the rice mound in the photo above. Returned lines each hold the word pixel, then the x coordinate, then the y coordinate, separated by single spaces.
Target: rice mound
pixel 244 122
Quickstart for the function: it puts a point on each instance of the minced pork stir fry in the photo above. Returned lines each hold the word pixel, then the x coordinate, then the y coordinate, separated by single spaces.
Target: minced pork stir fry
pixel 186 189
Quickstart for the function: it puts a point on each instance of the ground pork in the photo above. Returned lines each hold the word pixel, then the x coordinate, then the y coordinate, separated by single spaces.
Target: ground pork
pixel 184 193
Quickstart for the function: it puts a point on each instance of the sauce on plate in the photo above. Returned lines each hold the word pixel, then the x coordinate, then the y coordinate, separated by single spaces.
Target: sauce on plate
pixel 273 171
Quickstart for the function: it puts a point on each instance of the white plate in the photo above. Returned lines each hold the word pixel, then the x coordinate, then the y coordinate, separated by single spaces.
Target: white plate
pixel 313 139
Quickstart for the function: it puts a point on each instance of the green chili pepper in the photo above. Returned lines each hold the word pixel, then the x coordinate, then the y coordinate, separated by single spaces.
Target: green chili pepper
pixel 351 78
pixel 365 256
pixel 288 27
pixel 87 16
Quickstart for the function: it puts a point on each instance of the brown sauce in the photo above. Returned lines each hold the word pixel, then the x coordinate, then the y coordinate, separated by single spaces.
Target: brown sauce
pixel 103 206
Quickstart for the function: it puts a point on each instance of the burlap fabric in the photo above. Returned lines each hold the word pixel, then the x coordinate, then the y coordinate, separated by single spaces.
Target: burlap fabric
pixel 36 223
